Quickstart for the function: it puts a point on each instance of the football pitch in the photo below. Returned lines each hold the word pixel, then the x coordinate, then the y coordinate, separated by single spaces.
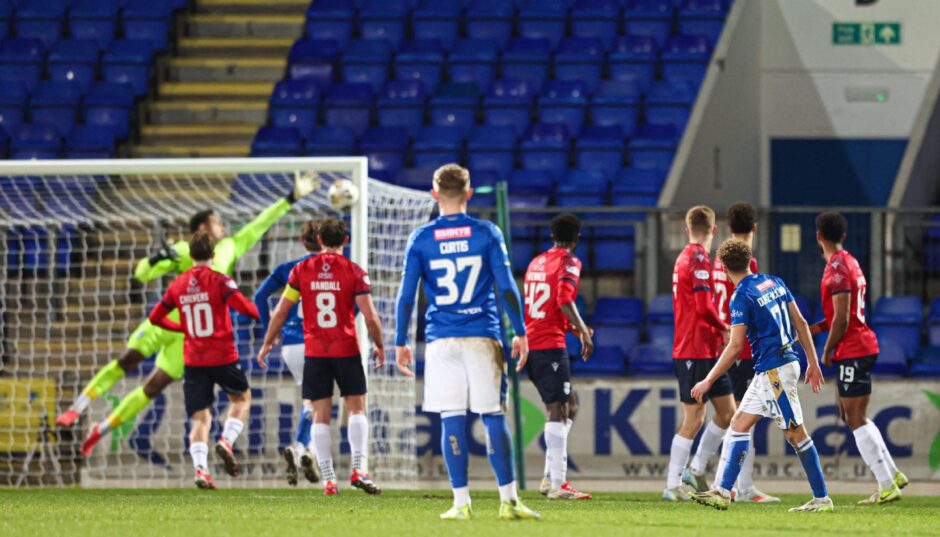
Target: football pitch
pixel 141 513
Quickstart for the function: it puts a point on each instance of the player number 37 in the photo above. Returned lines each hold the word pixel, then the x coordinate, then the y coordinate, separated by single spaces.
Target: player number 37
pixel 448 282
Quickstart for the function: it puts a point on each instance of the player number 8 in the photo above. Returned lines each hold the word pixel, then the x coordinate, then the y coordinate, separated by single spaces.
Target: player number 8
pixel 326 306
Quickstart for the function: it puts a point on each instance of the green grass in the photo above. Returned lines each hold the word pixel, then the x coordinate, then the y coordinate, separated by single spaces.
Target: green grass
pixel 227 513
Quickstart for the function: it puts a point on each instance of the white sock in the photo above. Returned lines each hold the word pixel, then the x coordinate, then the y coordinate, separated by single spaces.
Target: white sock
pixel 233 428
pixel 707 446
pixel 556 442
pixel 746 477
pixel 548 471
pixel 678 456
pixel 357 431
pixel 722 459
pixel 507 492
pixel 871 453
pixel 323 447
pixel 461 496
pixel 81 403
pixel 199 451
pixel 879 438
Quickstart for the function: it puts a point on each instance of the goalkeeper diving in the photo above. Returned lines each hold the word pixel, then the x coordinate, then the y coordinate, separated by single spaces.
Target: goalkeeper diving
pixel 148 339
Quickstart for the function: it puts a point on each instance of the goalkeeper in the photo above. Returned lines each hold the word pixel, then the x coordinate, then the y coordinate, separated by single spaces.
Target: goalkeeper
pixel 147 338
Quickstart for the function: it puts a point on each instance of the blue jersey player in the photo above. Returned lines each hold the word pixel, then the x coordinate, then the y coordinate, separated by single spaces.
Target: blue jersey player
pixel 459 258
pixel 764 312
pixel 292 351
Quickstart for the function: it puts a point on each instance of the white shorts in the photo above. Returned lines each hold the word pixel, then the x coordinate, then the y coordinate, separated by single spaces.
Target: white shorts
pixel 464 373
pixel 293 356
pixel 773 394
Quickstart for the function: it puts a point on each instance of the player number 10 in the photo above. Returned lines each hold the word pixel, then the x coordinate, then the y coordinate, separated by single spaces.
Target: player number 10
pixel 198 319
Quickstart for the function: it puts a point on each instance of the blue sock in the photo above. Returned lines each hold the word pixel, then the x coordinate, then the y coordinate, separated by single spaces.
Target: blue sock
pixel 740 442
pixel 454 447
pixel 499 448
pixel 809 457
pixel 303 427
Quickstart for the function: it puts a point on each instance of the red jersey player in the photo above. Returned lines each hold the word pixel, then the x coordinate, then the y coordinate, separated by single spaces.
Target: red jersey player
pixel 742 223
pixel 698 334
pixel 551 287
pixel 203 297
pixel 329 287
pixel 854 347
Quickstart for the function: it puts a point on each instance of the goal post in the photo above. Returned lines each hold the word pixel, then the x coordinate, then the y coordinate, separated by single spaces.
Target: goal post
pixel 73 232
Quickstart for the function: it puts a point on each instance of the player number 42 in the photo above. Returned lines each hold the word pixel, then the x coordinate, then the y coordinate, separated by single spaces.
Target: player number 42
pixel 536 295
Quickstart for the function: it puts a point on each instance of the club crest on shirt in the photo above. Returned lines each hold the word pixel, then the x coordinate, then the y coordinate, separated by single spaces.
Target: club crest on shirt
pixel 325 267
pixel 193 286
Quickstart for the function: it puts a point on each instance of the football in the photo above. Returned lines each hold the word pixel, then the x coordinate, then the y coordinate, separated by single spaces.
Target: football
pixel 343 194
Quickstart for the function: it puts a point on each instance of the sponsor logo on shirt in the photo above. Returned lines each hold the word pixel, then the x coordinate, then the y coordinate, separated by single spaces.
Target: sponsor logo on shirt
pixel 736 313
pixel 449 233
pixel 766 285
pixel 701 274
pixel 573 270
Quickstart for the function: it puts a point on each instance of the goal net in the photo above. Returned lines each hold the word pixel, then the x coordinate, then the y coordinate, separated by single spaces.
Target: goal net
pixel 73 233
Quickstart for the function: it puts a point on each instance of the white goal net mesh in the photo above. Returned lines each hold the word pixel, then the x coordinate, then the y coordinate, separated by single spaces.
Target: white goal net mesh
pixel 70 300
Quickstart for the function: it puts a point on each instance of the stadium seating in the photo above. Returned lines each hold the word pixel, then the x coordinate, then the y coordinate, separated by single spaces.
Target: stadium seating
pixel 617 323
pixel 294 104
pixel 899 319
pixel 331 19
pixel 455 104
pixel 933 323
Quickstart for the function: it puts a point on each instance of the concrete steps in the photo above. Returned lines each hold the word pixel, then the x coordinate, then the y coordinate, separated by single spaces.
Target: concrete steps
pixel 237 47
pixel 253 25
pixel 226 69
pixel 235 7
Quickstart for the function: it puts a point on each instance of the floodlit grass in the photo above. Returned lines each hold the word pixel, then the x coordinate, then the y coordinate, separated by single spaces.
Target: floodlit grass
pixel 226 513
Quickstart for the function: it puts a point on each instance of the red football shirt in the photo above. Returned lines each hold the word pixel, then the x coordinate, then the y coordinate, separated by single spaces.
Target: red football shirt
pixel 551 280
pixel 328 285
pixel 201 294
pixel 723 291
pixel 694 338
pixel 843 275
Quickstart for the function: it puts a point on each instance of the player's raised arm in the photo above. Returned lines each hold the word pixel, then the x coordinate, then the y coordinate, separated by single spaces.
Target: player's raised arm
pixel 405 304
pixel 164 259
pixel 249 235
pixel 814 376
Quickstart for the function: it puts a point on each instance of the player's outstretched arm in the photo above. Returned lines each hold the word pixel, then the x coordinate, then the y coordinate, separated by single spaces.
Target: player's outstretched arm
pixel 841 304
pixel 814 376
pixel 164 259
pixel 374 325
pixel 728 356
pixel 281 312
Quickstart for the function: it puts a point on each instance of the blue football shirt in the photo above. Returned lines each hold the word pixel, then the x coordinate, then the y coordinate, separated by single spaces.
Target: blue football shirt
pixel 293 331
pixel 762 303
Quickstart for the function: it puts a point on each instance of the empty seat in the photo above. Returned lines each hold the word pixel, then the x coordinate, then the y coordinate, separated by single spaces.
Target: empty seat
pixel 128 61
pixel 6 15
pixel 685 59
pixel 56 103
pixel 383 19
pixel 596 19
pixel 455 105
pixel 492 148
pixel 436 146
pixel 926 363
pixel 654 146
pixel 660 311
pixel 95 20
pixel 294 104
pixel 386 148
pixel 437 19
pixel 13 100
pixel 349 105
pixel 543 19
pixel 331 141
pixel 580 58
pixel 490 19
pixel 420 179
pixel 21 60
pixel 899 319
pixel 276 142
pixel 527 59
pixel 545 147
pixel 531 183
pixel 703 17
pixel 401 104
pixel 639 182
pixel 600 148
pixel 616 104
pixel 669 104
pixel 36 141
pixel 509 103
pixel 331 19
pixel 633 58
pixel 148 20
pixel 473 61
pixel 614 242
pixel 43 20
pixel 606 361
pixel 651 18
pixel 933 323
pixel 617 323
pixel 74 60
pixel 892 360
pixel 420 60
pixel 582 188
pixel 313 59
pixel 366 61
pixel 89 142
pixel 652 359
pixel 563 102
pixel 110 105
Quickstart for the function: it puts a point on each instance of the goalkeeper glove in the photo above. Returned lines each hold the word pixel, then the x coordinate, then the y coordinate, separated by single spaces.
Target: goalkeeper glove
pixel 164 252
pixel 304 183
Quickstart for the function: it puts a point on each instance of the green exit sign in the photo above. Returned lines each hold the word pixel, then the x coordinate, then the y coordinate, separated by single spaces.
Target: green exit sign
pixel 866 33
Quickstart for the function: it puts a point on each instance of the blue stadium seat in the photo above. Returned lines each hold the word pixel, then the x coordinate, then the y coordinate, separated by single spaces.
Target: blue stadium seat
pixel 543 19
pixel 933 323
pixel 614 243
pixel 276 142
pixel 110 105
pixel 401 104
pixel 420 60
pixel 128 61
pixel 313 59
pixel 802 304
pixel 527 59
pixel 580 58
pixel 703 17
pixel 331 19
pixel 21 60
pixel 437 19
pixel 582 188
pixel 653 18
pixel 616 104
pixel 596 18
pixel 600 148
pixel 328 141
pixel 685 59
pixel 530 183
pixel 639 182
pixel 528 189
pixel 383 19
pixel 13 100
pixel 659 311
pixel 43 20
pixel 436 146
pixel 6 15
pixel 927 363
pixel 473 61
pixel 509 103
pixel 294 104
pixel 74 60
pixel 36 141
pixel 654 146
pixel 483 178
pixel 617 323
pixel 148 20
pixel 420 179
pixel 349 105
pixel 633 58
pixel 899 319
pixel 95 20
pixel 606 361
pixel 4 142
pixel 89 142
pixel 18 199
pixel 56 103
pixel 652 359
pixel 545 147
pixel 490 19
pixel 492 148
pixel 669 104
pixel 563 102
pixel 455 105
pixel 892 360
pixel 386 148
pixel 366 61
